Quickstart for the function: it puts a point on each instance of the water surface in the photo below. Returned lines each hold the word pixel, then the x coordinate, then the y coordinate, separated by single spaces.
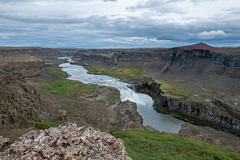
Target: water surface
pixel 158 121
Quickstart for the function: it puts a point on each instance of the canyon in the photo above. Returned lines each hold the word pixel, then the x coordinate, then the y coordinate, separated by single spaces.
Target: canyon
pixel 215 72
pixel 212 74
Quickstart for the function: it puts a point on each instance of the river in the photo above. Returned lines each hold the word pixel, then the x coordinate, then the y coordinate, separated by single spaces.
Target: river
pixel 158 121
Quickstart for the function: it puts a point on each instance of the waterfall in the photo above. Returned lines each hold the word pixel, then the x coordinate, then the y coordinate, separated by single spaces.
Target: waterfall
pixel 144 102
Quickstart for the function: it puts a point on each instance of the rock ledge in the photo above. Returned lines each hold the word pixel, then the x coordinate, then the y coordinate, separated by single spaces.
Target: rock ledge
pixel 66 142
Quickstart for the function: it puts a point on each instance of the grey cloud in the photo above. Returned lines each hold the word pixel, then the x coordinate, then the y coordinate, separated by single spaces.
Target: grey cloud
pixel 161 7
pixel 105 31
pixel 109 0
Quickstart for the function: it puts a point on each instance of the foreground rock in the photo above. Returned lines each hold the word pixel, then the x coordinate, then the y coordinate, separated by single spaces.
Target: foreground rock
pixel 66 142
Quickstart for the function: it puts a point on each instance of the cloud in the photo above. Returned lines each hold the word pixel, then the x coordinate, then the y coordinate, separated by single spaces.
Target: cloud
pixel 123 23
pixel 213 34
pixel 110 0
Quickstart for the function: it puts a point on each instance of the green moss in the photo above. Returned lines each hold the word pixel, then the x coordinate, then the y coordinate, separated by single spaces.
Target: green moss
pixel 56 70
pixel 88 89
pixel 141 145
pixel 61 87
pixel 79 99
pixel 125 74
pixel 183 92
pixel 67 87
pixel 5 105
pixel 100 101
pixel 45 125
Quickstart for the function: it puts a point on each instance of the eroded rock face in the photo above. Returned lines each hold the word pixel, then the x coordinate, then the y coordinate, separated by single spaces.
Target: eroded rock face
pixel 19 102
pixel 66 142
pixel 206 113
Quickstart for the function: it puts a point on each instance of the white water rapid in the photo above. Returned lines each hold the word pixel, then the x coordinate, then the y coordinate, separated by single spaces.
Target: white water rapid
pixel 144 102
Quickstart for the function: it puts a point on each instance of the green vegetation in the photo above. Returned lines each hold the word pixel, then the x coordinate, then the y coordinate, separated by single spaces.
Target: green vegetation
pixel 79 99
pixel 45 125
pixel 125 74
pixel 182 91
pixel 5 105
pixel 56 70
pixel 100 101
pixel 142 145
pixel 67 87
pixel 76 115
pixel 61 87
pixel 88 89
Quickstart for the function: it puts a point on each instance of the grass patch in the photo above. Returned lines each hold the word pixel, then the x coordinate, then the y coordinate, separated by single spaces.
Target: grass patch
pixel 67 87
pixel 56 70
pixel 79 99
pixel 61 87
pixel 125 74
pixel 88 89
pixel 142 145
pixel 45 125
pixel 182 91
pixel 100 101
pixel 5 105
pixel 76 115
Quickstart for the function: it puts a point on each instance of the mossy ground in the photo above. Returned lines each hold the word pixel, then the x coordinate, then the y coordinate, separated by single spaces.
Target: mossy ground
pixel 125 74
pixel 183 91
pixel 141 145
pixel 45 125
pixel 56 70
pixel 67 87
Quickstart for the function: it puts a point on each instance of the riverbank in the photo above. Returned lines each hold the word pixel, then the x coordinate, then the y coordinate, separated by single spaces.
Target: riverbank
pixel 188 130
pixel 194 112
pixel 178 99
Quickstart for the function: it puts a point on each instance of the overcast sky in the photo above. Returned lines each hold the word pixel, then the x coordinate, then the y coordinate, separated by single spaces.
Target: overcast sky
pixel 119 23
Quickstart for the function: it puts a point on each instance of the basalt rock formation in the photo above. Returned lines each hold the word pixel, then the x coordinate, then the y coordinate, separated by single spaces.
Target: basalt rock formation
pixel 19 103
pixel 65 142
pixel 198 62
pixel 203 114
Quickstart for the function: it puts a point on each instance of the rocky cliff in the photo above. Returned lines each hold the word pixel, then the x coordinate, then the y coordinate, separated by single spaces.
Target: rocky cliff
pixel 47 54
pixel 198 62
pixel 65 142
pixel 214 71
pixel 194 112
pixel 19 103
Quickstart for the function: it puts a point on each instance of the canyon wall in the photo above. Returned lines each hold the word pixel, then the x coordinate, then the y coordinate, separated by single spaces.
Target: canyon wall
pixel 201 64
pixel 19 103
pixel 195 112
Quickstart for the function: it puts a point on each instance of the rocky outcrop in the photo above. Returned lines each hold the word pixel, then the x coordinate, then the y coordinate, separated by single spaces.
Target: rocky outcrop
pixel 3 142
pixel 197 112
pixel 127 116
pixel 19 103
pixel 66 142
